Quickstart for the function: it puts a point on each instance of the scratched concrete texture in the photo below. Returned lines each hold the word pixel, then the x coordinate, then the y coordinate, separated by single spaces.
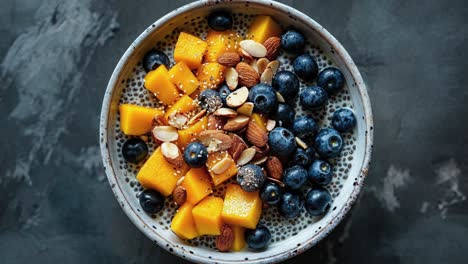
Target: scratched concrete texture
pixel 57 56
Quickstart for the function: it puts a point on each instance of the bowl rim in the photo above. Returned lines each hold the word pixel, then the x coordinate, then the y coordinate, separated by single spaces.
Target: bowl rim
pixel 323 33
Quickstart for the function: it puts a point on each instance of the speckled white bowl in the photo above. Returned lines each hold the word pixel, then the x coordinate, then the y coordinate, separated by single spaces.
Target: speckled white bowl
pixel 347 187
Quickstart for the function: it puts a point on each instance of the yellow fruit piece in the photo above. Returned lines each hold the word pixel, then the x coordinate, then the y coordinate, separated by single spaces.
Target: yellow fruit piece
pixel 239 239
pixel 160 175
pixel 214 158
pixel 210 75
pixel 207 216
pixel 159 82
pixel 184 105
pixel 262 28
pixel 190 134
pixel 241 208
pixel 137 120
pixel 189 49
pixel 182 224
pixel 183 78
pixel 220 42
pixel 260 120
pixel 197 183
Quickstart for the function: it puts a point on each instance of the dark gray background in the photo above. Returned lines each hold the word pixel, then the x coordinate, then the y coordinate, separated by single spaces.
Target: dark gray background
pixel 57 56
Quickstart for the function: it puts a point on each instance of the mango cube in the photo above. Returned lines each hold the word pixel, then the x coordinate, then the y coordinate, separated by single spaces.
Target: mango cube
pixel 137 120
pixel 158 174
pixel 183 78
pixel 197 183
pixel 262 28
pixel 220 42
pixel 241 208
pixel 210 75
pixel 214 158
pixel 182 224
pixel 189 49
pixel 207 216
pixel 184 105
pixel 190 134
pixel 159 82
pixel 239 238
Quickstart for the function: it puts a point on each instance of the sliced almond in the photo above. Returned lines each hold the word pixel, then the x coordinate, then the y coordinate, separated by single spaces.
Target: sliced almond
pixel 246 156
pixel 273 65
pixel 301 143
pixel 253 63
pixel 178 120
pixel 229 59
pixel 279 98
pixel 225 112
pixel 267 76
pixel 180 180
pixel 244 54
pixel 223 165
pixel 238 146
pixel 165 133
pixel 270 124
pixel 248 76
pixel 216 122
pixel 172 154
pixel 225 240
pixel 238 97
pixel 215 140
pixel 236 123
pixel 196 117
pixel 246 109
pixel 232 78
pixel 272 45
pixel 262 64
pixel 179 195
pixel 259 161
pixel 254 48
pixel 256 135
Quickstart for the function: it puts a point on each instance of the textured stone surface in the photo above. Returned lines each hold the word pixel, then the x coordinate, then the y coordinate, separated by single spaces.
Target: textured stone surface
pixel 56 58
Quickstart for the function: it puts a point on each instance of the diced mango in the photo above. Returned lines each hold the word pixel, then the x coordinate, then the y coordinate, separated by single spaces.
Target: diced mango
pixel 260 120
pixel 189 49
pixel 137 120
pixel 241 208
pixel 239 238
pixel 262 28
pixel 190 134
pixel 182 224
pixel 207 216
pixel 184 105
pixel 158 174
pixel 210 75
pixel 159 82
pixel 220 42
pixel 183 78
pixel 214 158
pixel 197 184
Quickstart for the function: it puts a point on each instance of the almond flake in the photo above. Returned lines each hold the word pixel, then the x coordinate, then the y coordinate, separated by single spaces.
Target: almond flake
pixel 236 123
pixel 246 156
pixel 254 48
pixel 253 63
pixel 232 78
pixel 280 98
pixel 223 165
pixel 270 124
pixel 301 143
pixel 165 133
pixel 267 76
pixel 225 112
pixel 262 64
pixel 273 65
pixel 178 120
pixel 238 97
pixel 246 109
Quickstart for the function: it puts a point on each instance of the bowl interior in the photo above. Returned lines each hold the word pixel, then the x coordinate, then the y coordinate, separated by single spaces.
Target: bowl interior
pixel 289 237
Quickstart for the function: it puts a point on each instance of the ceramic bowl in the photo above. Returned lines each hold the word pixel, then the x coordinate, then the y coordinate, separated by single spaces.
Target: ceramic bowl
pixel 289 237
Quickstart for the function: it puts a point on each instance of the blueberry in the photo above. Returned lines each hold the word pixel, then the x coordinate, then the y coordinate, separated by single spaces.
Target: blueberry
pixel 220 20
pixel 210 100
pixel 281 142
pixel 304 126
pixel 313 97
pixel 331 79
pixel 343 120
pixel 305 67
pixel 224 91
pixel 303 157
pixel 286 83
pixel 270 193
pixel 318 201
pixel 328 143
pixel 195 155
pixel 295 177
pixel 284 115
pixel 250 177
pixel 320 172
pixel 293 41
pixel 134 150
pixel 257 238
pixel 151 201
pixel 290 205
pixel 154 58
pixel 264 98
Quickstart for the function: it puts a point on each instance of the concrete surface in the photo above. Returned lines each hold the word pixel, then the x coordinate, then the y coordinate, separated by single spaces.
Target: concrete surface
pixel 57 56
